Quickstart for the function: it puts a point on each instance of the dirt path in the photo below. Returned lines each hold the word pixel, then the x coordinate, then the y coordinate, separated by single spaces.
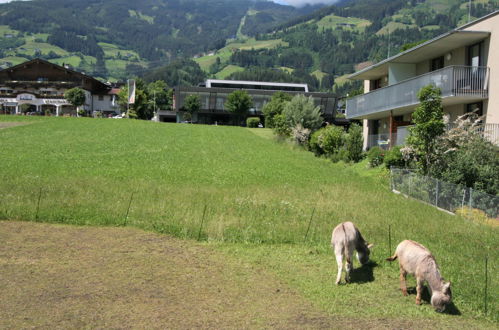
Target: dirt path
pixel 55 276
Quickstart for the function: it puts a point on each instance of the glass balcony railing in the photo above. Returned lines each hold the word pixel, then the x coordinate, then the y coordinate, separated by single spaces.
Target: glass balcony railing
pixel 462 81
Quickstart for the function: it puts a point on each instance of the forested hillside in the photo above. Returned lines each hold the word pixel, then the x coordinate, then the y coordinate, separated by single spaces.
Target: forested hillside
pixel 235 39
pixel 119 37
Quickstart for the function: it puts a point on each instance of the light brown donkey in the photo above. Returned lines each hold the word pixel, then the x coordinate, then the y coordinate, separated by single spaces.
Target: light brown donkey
pixel 345 239
pixel 417 260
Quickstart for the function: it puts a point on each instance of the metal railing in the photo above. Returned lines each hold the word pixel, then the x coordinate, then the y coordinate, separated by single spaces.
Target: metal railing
pixel 444 195
pixel 452 81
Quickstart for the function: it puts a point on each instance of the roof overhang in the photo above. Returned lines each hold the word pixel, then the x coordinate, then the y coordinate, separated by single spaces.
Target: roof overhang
pixel 425 51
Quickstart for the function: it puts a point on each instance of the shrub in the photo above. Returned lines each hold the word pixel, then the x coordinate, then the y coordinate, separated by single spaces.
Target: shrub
pixel 315 142
pixel 252 122
pixel 341 154
pixel 463 156
pixel 375 156
pixel 332 139
pixel 300 134
pixel 275 107
pixel 301 110
pixel 354 142
pixel 394 157
pixel 281 127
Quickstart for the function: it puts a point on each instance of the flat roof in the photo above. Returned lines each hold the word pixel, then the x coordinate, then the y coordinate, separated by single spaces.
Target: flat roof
pixel 261 83
pixel 250 91
pixel 427 50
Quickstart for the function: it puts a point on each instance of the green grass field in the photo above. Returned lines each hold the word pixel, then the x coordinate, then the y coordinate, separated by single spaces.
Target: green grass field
pixel 228 70
pixel 333 22
pixel 243 193
pixel 246 44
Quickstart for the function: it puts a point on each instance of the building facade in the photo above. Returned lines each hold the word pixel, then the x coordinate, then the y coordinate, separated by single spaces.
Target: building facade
pixel 213 96
pixel 38 86
pixel 463 63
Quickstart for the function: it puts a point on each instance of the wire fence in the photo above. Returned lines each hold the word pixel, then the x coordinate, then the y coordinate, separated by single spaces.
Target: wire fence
pixel 444 195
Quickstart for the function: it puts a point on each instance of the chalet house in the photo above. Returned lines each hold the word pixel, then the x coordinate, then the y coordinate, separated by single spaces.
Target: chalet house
pixel 213 95
pixel 463 63
pixel 38 87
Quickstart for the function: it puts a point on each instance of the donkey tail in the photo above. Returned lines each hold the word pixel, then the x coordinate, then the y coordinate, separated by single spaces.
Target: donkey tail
pixel 394 257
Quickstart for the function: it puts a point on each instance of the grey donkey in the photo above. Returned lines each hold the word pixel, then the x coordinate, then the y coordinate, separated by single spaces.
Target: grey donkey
pixel 417 260
pixel 345 239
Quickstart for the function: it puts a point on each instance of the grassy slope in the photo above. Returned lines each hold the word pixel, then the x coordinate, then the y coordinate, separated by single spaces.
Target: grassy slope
pixel 259 198
pixel 246 44
pixel 333 22
pixel 228 70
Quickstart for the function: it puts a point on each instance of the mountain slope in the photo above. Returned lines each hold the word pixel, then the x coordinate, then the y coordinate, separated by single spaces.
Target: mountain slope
pixel 323 46
pixel 116 37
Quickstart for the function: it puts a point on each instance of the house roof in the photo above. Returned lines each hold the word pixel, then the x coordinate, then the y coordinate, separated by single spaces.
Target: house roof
pixel 437 46
pixel 250 84
pixel 8 73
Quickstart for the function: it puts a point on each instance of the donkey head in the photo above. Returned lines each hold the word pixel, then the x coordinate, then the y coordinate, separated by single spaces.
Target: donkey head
pixel 363 252
pixel 440 299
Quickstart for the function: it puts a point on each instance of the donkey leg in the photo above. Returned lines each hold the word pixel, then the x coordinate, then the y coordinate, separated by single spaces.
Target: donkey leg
pixel 348 267
pixel 403 285
pixel 339 261
pixel 419 289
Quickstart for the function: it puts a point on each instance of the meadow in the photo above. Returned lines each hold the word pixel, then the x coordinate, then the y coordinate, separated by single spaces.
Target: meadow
pixel 242 193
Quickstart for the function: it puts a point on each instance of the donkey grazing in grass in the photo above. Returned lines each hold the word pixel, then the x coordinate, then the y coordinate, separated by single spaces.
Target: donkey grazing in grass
pixel 346 238
pixel 417 260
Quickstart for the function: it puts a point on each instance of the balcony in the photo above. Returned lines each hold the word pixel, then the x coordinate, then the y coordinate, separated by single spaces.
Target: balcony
pixel 457 83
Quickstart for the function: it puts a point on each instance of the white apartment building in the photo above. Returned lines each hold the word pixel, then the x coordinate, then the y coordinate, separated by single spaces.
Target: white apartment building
pixel 463 63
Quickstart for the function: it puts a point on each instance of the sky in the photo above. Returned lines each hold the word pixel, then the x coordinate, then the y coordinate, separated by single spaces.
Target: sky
pixel 295 3
pixel 300 3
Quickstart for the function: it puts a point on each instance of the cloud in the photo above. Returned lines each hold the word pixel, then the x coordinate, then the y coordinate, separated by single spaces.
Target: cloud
pixel 301 3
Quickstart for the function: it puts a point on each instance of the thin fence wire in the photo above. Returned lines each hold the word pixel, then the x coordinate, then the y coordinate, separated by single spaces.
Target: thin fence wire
pixel 444 195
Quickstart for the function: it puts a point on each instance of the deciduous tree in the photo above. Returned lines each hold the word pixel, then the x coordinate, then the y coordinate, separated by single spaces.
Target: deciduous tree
pixel 239 102
pixel 429 124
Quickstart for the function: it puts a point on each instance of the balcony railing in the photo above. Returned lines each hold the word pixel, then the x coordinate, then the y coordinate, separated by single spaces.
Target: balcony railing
pixel 488 131
pixel 452 81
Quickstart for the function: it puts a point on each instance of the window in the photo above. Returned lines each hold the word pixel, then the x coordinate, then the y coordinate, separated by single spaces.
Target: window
pixel 437 63
pixel 375 84
pixel 475 55
pixel 101 97
pixel 475 107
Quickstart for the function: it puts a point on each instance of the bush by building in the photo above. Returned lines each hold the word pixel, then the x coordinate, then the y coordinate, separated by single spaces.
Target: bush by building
pixel 252 122
pixel 375 156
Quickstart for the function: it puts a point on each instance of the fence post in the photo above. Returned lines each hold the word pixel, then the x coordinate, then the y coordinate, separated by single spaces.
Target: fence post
pixel 486 284
pixel 202 220
pixel 309 223
pixel 38 204
pixel 464 196
pixel 436 195
pixel 389 240
pixel 128 209
pixel 470 201
pixel 410 184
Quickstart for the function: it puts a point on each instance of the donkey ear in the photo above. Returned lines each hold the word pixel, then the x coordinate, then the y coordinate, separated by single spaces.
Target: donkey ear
pixel 369 246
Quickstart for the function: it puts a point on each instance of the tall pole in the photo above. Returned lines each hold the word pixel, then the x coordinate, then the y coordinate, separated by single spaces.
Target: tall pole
pixel 469 11
pixel 388 42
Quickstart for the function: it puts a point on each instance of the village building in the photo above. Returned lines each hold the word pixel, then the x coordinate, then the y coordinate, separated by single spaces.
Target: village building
pixel 213 95
pixel 463 63
pixel 38 86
